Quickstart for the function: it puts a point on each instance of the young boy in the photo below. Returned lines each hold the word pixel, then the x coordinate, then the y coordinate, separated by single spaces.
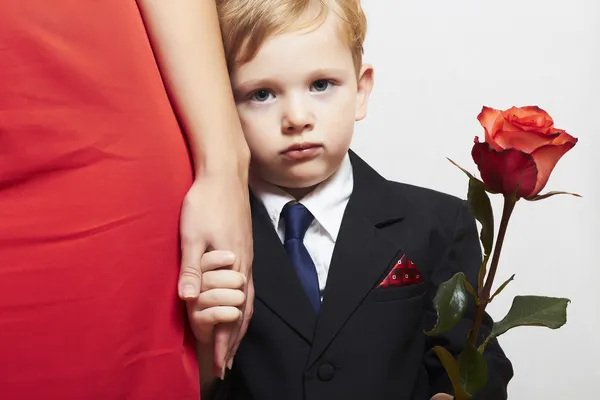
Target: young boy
pixel 346 263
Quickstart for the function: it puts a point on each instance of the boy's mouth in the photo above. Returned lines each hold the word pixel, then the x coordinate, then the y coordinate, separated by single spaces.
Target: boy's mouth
pixel 302 151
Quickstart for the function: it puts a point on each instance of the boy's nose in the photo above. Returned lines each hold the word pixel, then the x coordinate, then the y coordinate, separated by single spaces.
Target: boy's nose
pixel 297 118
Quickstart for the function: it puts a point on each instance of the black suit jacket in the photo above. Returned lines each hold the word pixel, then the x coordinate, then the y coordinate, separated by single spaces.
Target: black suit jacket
pixel 367 342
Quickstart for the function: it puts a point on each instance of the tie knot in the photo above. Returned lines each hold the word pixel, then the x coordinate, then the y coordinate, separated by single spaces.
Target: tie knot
pixel 297 220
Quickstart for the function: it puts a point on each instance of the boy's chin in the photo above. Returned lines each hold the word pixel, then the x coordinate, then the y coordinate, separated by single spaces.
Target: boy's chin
pixel 300 186
pixel 302 182
pixel 299 193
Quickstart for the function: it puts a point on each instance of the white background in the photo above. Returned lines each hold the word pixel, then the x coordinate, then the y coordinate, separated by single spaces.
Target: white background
pixel 437 62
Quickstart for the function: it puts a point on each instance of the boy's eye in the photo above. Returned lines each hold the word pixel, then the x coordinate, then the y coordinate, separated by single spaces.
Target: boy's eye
pixel 321 85
pixel 261 95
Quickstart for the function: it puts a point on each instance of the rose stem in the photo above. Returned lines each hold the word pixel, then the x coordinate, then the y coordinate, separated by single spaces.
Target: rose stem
pixel 484 293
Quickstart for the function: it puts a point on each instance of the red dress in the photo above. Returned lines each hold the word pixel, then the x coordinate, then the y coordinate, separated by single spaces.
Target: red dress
pixel 93 170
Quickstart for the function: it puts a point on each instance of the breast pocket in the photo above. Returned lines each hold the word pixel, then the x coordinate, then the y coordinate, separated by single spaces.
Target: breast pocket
pixel 415 291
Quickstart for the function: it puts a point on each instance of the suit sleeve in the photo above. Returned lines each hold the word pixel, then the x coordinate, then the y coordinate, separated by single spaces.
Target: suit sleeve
pixel 464 254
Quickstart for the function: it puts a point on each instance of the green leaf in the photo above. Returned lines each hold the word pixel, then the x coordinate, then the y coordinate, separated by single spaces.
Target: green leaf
pixel 550 194
pixel 470 290
pixel 451 367
pixel 550 312
pixel 481 207
pixel 461 168
pixel 473 369
pixel 450 303
pixel 501 288
pixel 482 271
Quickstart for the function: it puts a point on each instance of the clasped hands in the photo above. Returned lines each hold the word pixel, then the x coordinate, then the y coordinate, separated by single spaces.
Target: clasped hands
pixel 216 264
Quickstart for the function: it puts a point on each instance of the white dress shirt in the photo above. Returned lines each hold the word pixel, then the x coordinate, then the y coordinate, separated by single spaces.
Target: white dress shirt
pixel 326 203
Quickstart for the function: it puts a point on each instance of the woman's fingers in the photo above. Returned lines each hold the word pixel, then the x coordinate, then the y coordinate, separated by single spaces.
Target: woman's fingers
pixel 190 275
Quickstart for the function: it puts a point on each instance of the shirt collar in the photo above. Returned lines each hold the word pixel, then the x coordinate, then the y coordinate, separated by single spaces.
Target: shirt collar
pixel 326 203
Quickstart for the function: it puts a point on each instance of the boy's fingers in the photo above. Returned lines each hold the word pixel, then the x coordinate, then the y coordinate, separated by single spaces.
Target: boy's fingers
pixel 216 315
pixel 205 320
pixel 221 297
pixel 190 276
pixel 224 279
pixel 216 259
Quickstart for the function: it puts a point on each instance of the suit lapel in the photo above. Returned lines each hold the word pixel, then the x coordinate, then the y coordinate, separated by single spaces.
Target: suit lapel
pixel 363 252
pixel 275 280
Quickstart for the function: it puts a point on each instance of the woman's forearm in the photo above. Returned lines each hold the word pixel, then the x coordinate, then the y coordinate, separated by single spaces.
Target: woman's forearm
pixel 186 40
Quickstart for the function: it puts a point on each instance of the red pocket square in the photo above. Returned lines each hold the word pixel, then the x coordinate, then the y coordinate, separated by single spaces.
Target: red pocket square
pixel 404 273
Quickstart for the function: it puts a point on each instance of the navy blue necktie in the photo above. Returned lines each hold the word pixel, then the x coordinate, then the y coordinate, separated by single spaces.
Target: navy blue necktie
pixel 297 220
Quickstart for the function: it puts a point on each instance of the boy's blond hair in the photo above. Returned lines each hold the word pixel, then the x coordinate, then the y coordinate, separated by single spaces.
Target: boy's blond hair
pixel 246 24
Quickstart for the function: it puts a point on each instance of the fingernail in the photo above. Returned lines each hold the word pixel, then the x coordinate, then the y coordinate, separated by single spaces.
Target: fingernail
pixel 229 257
pixel 188 291
pixel 230 363
pixel 223 373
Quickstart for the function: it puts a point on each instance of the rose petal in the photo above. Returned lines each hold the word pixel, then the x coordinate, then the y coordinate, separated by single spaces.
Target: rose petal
pixel 563 137
pixel 507 126
pixel 524 141
pixel 491 120
pixel 529 118
pixel 503 171
pixel 546 158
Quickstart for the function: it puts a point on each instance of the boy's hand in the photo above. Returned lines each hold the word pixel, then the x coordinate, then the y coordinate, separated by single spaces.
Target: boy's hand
pixel 221 295
pixel 442 396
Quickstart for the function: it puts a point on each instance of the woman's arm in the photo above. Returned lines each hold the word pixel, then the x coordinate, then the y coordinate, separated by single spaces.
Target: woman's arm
pixel 186 40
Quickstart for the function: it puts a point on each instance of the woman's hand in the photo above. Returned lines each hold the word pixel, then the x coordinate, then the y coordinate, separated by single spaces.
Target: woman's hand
pixel 216 216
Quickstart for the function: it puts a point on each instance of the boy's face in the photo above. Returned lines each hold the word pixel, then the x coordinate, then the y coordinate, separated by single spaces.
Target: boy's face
pixel 298 99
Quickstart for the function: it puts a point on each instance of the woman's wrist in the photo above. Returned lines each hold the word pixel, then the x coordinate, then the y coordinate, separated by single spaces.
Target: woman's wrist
pixel 234 161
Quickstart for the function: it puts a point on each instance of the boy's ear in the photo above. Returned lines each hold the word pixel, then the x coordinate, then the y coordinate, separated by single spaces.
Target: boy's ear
pixel 365 85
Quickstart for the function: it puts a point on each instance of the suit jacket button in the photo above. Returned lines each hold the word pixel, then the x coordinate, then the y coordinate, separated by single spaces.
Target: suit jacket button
pixel 326 372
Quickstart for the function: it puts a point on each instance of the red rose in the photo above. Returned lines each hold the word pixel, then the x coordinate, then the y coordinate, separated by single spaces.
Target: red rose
pixel 521 148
